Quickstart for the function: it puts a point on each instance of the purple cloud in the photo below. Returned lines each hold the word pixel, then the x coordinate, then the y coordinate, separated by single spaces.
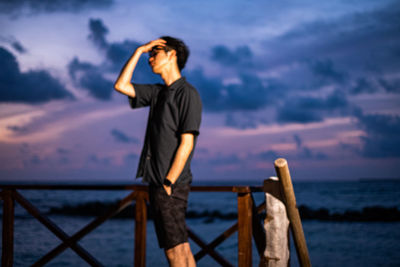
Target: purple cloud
pixel 50 6
pixel 33 87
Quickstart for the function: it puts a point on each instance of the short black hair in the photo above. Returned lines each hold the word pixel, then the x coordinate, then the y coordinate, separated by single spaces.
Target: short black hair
pixel 182 51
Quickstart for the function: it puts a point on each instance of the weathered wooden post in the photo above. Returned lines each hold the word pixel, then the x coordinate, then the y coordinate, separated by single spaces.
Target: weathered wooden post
pixel 276 227
pixel 282 171
pixel 8 228
pixel 140 229
pixel 245 228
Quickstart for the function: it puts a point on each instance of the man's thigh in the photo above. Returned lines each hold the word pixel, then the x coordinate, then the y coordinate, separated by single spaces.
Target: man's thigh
pixel 169 214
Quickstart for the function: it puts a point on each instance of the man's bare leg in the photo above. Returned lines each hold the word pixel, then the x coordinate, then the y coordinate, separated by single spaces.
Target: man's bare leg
pixel 190 259
pixel 180 256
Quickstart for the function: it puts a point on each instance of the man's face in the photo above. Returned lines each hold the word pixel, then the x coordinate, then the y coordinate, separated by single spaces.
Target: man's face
pixel 158 58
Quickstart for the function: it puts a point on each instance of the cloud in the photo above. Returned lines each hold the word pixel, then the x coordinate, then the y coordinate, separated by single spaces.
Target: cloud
pixel 250 94
pixel 353 38
pixel 298 140
pixel 306 57
pixel 289 113
pixel 35 86
pixel 363 85
pixel 17 129
pixel 353 51
pixel 382 139
pixel 121 137
pixel 241 120
pixel 49 6
pixel 62 151
pixel 226 160
pixel 390 86
pixel 311 109
pixel 98 32
pixel 306 153
pixel 221 160
pixel 350 52
pixel 62 155
pixel 97 85
pixel 103 161
pixel 91 78
pixel 116 54
pixel 130 159
pixel 34 160
pixel 242 56
pixel 326 70
pixel 303 153
pixel 15 44
pixel 18 46
pixel 269 155
pixel 29 157
pixel 210 89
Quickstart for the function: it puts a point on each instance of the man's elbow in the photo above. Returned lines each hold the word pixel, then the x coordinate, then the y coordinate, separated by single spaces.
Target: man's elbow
pixel 118 87
pixel 126 89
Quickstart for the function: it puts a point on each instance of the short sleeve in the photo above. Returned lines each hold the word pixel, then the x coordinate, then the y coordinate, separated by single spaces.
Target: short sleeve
pixel 190 108
pixel 144 94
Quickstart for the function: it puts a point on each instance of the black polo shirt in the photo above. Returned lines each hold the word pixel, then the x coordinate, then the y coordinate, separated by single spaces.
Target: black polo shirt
pixel 174 110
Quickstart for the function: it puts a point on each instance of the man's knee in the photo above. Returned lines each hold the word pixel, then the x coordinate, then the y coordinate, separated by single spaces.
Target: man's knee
pixel 186 248
pixel 176 251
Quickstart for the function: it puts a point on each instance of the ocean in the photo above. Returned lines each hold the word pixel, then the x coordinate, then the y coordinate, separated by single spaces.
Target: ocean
pixel 347 236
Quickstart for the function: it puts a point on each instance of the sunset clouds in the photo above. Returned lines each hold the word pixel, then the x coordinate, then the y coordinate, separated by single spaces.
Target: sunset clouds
pixel 317 83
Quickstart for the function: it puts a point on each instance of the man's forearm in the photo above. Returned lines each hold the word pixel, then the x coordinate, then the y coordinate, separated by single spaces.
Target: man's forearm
pixel 123 83
pixel 181 156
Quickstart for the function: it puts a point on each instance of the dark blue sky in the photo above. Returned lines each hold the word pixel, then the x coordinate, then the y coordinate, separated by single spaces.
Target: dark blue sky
pixel 315 82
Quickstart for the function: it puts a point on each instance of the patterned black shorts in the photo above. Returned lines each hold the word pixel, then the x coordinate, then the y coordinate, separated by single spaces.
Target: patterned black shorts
pixel 169 214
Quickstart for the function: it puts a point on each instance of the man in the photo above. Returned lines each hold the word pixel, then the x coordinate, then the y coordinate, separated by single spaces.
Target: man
pixel 172 130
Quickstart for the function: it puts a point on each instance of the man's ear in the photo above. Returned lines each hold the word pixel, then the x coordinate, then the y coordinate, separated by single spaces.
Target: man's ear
pixel 172 53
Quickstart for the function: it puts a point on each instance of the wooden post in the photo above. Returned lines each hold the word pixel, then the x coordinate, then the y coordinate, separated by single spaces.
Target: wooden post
pixel 8 229
pixel 276 226
pixel 282 171
pixel 244 229
pixel 140 229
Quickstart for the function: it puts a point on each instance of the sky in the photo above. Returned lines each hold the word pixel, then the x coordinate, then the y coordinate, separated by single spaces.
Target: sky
pixel 315 82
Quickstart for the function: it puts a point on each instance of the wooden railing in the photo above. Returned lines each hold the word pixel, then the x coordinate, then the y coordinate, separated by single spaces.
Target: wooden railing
pixel 249 225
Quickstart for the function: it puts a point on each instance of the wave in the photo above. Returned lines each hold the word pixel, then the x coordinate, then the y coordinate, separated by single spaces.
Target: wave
pixel 367 214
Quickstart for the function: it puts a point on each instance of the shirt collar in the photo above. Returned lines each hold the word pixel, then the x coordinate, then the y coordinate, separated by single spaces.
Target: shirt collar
pixel 177 83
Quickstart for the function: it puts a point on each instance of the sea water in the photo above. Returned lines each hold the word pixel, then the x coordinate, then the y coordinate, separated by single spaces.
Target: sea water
pixel 329 243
